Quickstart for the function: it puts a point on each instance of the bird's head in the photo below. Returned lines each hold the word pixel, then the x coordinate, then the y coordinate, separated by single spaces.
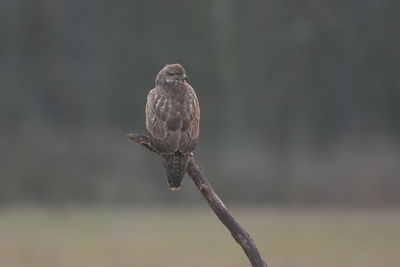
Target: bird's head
pixel 172 73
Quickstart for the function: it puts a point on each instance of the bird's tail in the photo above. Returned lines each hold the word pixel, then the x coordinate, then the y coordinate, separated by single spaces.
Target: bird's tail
pixel 175 165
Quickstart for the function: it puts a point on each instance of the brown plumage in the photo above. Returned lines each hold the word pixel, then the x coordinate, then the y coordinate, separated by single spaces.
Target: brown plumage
pixel 172 118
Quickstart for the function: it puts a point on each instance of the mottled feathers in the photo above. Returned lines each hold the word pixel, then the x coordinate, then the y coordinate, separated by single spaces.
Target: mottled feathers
pixel 172 119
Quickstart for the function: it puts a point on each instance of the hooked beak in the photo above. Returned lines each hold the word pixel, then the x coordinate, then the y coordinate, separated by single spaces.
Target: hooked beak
pixel 183 77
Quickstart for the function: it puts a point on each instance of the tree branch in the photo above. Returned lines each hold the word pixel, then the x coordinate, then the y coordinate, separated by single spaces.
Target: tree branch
pixel 219 208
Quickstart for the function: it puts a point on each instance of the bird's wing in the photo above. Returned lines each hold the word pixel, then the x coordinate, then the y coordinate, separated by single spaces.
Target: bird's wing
pixel 191 124
pixel 155 114
pixel 194 114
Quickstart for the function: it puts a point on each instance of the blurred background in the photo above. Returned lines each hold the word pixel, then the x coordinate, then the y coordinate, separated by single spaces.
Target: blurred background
pixel 300 105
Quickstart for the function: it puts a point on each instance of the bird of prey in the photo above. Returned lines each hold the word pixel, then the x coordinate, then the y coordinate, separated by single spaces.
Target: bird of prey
pixel 172 119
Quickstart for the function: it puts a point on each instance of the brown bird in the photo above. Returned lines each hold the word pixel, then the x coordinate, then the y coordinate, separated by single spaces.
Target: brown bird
pixel 172 118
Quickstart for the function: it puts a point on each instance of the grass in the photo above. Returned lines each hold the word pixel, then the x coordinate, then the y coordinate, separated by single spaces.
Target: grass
pixel 168 236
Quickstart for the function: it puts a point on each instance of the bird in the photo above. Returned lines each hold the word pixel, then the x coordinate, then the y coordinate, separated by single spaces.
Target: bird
pixel 173 121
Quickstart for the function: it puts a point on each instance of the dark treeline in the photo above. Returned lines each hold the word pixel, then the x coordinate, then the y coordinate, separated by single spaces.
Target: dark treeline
pixel 300 99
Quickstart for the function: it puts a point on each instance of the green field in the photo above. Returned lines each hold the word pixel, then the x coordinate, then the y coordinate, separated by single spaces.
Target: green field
pixel 168 236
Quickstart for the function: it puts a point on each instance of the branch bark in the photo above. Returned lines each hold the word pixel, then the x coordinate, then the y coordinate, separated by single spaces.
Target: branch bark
pixel 216 204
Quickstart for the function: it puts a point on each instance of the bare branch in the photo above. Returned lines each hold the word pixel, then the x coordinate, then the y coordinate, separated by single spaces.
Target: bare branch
pixel 219 208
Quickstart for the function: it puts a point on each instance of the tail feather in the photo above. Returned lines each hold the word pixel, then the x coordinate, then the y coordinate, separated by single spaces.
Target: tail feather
pixel 175 165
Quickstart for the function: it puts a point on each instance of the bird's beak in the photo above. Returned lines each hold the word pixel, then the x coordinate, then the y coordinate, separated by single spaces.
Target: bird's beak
pixel 183 77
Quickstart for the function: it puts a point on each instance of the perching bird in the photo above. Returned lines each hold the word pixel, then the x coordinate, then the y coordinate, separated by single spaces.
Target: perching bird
pixel 172 118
